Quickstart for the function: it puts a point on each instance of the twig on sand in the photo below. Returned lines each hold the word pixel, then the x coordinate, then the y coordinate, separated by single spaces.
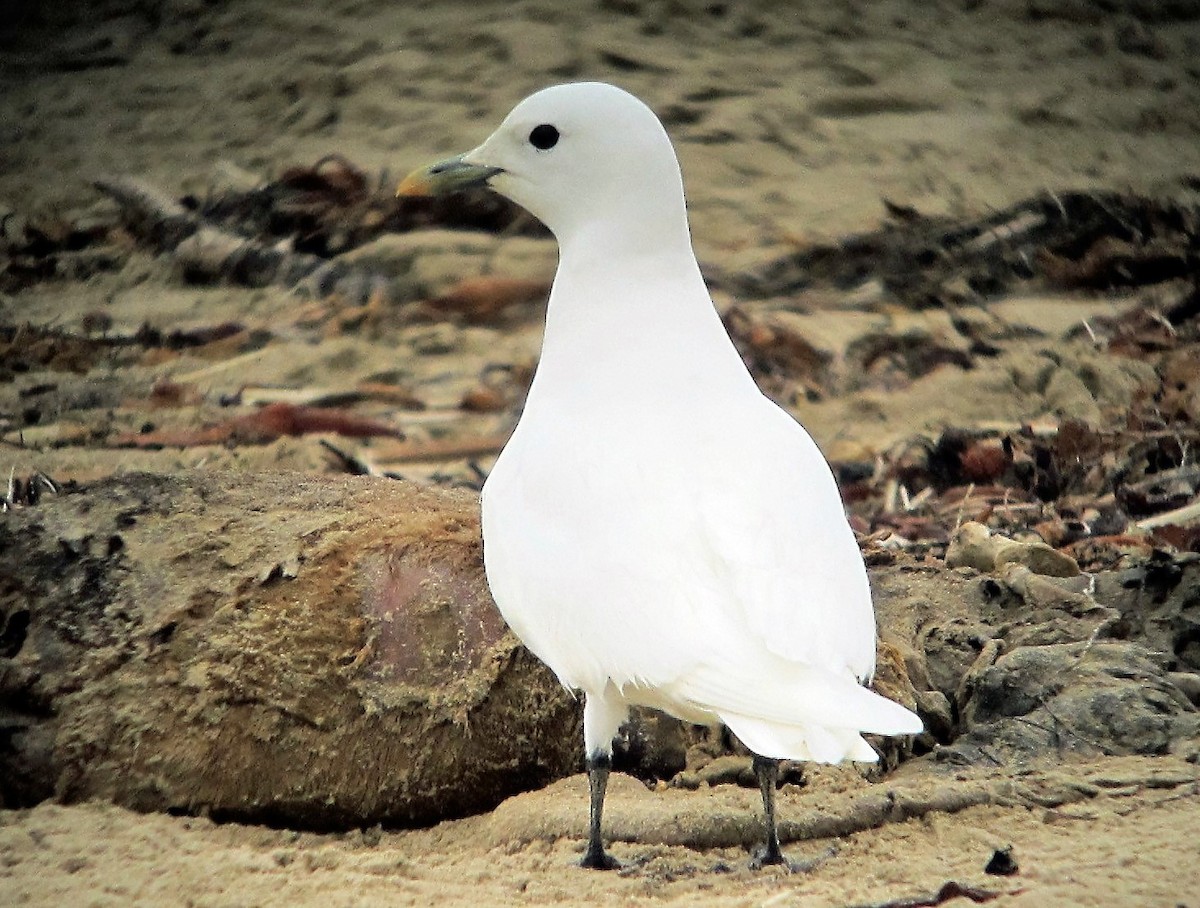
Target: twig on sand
pixel 1189 513
pixel 438 449
pixel 355 466
pixel 1024 222
pixel 949 890
pixel 262 427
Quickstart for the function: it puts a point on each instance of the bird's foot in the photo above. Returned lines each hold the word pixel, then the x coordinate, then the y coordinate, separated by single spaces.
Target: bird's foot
pixel 763 856
pixel 769 855
pixel 599 859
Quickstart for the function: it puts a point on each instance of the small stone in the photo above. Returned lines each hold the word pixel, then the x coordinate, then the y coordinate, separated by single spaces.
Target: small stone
pixel 1053 532
pixel 1189 683
pixel 933 707
pixel 652 746
pixel 1038 557
pixel 1041 591
pixel 1068 396
pixel 972 546
pixel 728 770
pixel 687 780
pixel 436 340
pixel 482 399
pixel 1002 862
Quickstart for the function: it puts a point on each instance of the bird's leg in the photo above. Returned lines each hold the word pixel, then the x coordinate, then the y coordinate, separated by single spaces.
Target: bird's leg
pixel 603 713
pixel 596 858
pixel 767 771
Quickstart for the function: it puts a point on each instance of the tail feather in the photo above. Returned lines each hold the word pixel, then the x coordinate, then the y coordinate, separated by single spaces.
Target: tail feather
pixel 813 743
pixel 812 715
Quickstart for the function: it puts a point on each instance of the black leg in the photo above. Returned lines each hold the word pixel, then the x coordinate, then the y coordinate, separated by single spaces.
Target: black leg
pixel 596 858
pixel 767 771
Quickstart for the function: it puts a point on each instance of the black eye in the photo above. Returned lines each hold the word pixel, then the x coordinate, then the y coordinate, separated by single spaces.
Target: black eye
pixel 543 137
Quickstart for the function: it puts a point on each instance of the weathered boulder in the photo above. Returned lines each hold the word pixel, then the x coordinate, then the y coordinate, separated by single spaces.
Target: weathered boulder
pixel 315 651
pixel 1110 698
pixel 323 652
pixel 1023 668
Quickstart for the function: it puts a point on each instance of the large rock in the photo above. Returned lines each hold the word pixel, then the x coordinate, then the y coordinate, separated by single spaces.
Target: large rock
pixel 284 648
pixel 1111 698
pixel 323 652
pixel 1028 668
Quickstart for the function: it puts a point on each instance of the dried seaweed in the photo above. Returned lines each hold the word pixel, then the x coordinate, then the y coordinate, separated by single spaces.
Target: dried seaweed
pixel 1095 240
pixel 1069 480
pixel 27 348
pixel 947 892
pixel 208 254
pixel 1067 483
pixel 290 231
pixel 51 246
pixel 333 206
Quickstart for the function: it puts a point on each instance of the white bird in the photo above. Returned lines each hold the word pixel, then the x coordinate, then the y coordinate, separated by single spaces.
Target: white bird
pixel 656 530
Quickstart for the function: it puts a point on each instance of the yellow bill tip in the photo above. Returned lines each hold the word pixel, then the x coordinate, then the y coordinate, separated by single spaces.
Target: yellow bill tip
pixel 446 176
pixel 416 185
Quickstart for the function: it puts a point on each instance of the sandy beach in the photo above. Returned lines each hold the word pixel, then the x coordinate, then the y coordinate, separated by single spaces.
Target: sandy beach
pixel 798 126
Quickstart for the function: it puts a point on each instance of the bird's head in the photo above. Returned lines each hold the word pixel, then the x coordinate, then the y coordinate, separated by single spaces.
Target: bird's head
pixel 579 156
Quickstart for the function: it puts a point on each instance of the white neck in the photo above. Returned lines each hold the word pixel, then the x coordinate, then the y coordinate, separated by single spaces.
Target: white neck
pixel 633 318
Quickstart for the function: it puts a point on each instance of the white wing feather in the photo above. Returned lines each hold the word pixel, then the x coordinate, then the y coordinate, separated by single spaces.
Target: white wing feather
pixel 778 529
pixel 739 592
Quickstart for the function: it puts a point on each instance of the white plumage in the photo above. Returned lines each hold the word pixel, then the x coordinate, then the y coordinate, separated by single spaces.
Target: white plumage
pixel 656 530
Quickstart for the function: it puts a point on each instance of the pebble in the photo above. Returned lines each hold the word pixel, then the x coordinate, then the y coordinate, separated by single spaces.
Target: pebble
pixel 974 545
pixel 435 340
pixel 729 770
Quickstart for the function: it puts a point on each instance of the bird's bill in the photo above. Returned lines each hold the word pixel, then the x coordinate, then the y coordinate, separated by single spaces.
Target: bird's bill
pixel 446 176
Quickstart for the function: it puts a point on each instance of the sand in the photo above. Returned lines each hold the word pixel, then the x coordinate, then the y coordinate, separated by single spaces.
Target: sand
pixel 792 123
pixel 1130 849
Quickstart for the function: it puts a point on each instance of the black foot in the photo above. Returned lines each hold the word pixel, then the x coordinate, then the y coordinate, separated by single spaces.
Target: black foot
pixel 766 856
pixel 769 852
pixel 599 859
pixel 596 858
pixel 763 857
